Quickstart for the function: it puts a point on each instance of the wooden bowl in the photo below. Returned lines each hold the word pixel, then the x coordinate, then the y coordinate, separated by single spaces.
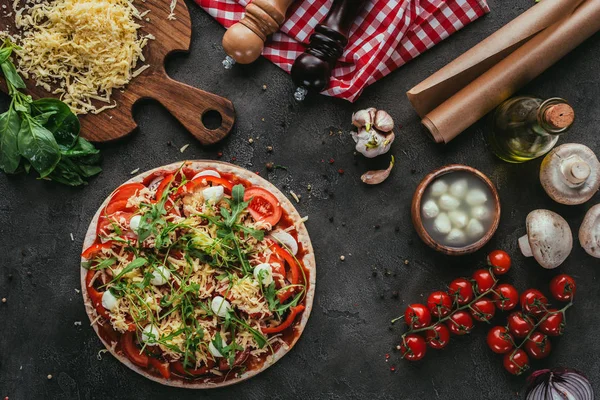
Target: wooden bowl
pixel 418 222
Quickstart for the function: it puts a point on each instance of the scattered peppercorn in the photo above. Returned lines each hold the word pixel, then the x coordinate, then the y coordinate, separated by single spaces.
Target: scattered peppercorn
pixel 406 262
pixel 250 140
pixel 270 149
pixel 387 272
pixel 330 219
pixel 10 277
pixel 342 258
pixel 322 141
pixel 395 294
pixel 343 224
pixel 381 296
pixel 220 154
pixel 341 171
pixel 413 171
pixel 4 299
pixel 233 158
pixel 377 226
pixel 374 273
pixel 49 376
pixel 169 143
pixel 264 87
pixel 29 273
pixel 270 166
pixel 257 173
pixel 397 229
pixel 331 161
pixel 393 368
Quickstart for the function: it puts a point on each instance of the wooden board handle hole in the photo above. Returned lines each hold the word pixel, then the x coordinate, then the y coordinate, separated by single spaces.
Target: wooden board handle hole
pixel 212 119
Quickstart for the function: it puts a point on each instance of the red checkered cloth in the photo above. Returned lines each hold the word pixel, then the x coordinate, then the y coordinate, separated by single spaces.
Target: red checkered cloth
pixel 386 35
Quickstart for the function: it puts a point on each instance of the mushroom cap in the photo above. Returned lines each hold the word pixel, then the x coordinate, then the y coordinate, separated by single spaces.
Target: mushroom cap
pixel 549 236
pixel 589 232
pixel 570 174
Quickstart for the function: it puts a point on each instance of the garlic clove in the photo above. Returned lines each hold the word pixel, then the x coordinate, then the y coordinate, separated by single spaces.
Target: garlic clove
pixel 448 203
pixel 456 237
pixel 459 188
pixel 376 177
pixel 430 209
pixel 476 197
pixel 438 188
pixel 442 224
pixel 364 118
pixel 480 213
pixel 475 229
pixel 458 219
pixel 383 121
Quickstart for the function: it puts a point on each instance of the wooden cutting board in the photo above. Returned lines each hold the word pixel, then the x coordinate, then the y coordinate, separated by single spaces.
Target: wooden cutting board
pixel 188 104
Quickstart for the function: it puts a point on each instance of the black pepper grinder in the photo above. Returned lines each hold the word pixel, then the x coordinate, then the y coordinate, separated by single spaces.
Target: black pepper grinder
pixel 312 69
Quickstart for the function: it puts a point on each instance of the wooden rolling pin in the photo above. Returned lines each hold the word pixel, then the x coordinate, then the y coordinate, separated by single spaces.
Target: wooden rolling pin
pixel 244 41
pixel 312 69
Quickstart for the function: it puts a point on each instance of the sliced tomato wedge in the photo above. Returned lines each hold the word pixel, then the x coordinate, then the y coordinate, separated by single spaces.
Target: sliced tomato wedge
pixel 264 206
pixel 163 185
pixel 161 367
pixel 294 270
pixel 116 206
pixel 96 248
pixel 132 351
pixel 107 220
pixel 294 311
pixel 95 296
pixel 126 191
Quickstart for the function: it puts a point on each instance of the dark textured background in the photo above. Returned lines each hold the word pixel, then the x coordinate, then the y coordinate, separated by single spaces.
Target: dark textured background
pixel 342 351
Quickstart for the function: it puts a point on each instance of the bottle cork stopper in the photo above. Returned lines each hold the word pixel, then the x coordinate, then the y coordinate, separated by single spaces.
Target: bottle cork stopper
pixel 560 115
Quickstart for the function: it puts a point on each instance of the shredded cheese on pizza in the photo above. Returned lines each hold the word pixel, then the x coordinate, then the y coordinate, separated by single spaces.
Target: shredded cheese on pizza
pixel 84 49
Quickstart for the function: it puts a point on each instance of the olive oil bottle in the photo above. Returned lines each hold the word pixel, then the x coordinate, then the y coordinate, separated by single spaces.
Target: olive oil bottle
pixel 523 128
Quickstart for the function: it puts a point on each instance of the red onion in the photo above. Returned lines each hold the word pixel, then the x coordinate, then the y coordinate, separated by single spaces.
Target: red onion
pixel 558 384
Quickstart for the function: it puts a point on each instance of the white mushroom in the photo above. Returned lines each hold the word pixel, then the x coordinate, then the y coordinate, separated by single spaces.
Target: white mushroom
pixel 570 174
pixel 448 203
pixel 481 213
pixel 549 239
pixel 459 188
pixel 458 218
pixel 475 197
pixel 474 229
pixel 456 237
pixel 430 209
pixel 442 224
pixel 589 232
pixel 438 188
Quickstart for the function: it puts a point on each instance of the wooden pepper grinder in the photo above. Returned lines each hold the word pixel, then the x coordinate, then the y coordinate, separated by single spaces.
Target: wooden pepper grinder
pixel 244 41
pixel 312 69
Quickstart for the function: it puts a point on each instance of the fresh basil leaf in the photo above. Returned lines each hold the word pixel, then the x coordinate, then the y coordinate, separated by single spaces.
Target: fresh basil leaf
pixel 63 123
pixel 38 146
pixel 12 76
pixel 43 118
pixel 10 124
pixel 5 52
pixel 80 148
pixel 66 174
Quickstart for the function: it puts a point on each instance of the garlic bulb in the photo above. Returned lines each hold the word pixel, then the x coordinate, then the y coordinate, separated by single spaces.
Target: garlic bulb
pixel 383 121
pixel 372 143
pixel 364 118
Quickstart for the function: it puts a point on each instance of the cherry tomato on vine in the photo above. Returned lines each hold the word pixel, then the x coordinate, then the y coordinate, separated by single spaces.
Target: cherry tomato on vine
pixel 538 346
pixel 460 323
pixel 506 297
pixel 500 262
pixel 484 280
pixel 417 316
pixel 534 302
pixel 499 340
pixel 483 309
pixel 554 324
pixel 562 287
pixel 413 347
pixel 439 303
pixel 520 324
pixel 438 337
pixel 461 290
pixel 516 362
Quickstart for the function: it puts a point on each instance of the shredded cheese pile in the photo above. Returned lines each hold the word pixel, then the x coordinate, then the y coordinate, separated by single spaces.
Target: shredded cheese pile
pixel 86 48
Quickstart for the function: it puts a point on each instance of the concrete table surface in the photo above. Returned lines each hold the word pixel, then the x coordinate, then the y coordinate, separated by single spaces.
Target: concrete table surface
pixel 341 355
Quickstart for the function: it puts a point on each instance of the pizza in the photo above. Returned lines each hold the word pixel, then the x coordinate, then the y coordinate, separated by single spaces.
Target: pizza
pixel 198 274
